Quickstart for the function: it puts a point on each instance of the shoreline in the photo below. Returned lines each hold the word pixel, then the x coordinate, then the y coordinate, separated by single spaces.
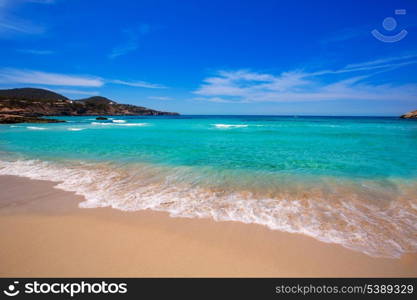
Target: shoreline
pixel 45 234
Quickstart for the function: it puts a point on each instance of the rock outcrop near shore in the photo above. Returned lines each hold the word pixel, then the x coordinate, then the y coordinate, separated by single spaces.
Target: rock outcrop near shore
pixel 33 103
pixel 410 115
pixel 13 119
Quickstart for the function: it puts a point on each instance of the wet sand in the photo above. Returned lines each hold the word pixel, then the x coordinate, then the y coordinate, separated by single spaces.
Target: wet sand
pixel 43 233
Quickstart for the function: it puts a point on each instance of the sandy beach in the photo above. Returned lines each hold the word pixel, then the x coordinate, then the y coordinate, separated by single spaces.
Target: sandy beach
pixel 44 234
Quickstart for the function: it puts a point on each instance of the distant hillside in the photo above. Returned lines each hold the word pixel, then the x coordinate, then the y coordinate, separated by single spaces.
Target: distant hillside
pixel 30 94
pixel 97 100
pixel 31 102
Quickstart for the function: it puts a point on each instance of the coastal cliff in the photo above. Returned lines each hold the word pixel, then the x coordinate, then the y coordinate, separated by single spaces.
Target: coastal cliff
pixel 410 115
pixel 28 104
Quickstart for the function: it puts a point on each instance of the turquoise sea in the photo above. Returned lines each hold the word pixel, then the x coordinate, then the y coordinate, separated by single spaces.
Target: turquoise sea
pixel 345 180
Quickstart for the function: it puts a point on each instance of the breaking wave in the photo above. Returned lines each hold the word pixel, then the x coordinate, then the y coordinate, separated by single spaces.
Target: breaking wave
pixel 376 218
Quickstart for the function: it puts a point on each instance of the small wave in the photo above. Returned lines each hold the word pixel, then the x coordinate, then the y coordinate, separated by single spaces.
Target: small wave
pixel 119 124
pixel 134 124
pixel 342 218
pixel 98 123
pixel 75 129
pixel 35 128
pixel 230 125
pixel 119 121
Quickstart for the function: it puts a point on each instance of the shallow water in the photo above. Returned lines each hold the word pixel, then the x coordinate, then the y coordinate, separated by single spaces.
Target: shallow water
pixel 350 181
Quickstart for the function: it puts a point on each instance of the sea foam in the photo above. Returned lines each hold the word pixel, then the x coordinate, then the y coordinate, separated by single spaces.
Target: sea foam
pixel 119 124
pixel 230 125
pixel 387 230
pixel 35 128
pixel 76 129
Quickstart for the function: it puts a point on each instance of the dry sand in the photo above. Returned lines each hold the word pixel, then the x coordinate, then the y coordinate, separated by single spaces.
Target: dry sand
pixel 43 233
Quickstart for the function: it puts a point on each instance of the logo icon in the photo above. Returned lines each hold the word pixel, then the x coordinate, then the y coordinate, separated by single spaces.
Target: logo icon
pixel 390 24
pixel 11 289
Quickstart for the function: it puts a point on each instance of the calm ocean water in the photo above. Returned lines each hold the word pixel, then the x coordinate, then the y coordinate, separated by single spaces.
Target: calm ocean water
pixel 345 180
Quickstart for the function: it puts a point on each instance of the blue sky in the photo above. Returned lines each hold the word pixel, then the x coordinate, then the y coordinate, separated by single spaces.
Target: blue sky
pixel 216 57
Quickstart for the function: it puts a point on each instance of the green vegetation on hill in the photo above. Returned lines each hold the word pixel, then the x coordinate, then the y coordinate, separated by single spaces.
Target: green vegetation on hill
pixel 30 94
pixel 40 102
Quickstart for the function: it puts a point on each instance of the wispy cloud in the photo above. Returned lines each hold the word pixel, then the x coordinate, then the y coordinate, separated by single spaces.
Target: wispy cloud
pixel 131 44
pixel 8 75
pixel 213 99
pixel 35 51
pixel 19 76
pixel 244 86
pixel 40 1
pixel 382 61
pixel 4 3
pixel 131 41
pixel 142 84
pixel 11 24
pixel 160 98
pixel 384 64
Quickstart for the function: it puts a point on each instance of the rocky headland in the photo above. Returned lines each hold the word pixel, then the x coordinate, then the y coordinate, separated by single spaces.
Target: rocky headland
pixel 410 115
pixel 29 105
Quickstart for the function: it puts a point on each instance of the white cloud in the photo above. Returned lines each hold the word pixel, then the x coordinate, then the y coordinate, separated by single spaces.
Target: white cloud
pixel 142 84
pixel 17 76
pixel 213 99
pixel 160 98
pixel 38 77
pixel 381 61
pixel 244 86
